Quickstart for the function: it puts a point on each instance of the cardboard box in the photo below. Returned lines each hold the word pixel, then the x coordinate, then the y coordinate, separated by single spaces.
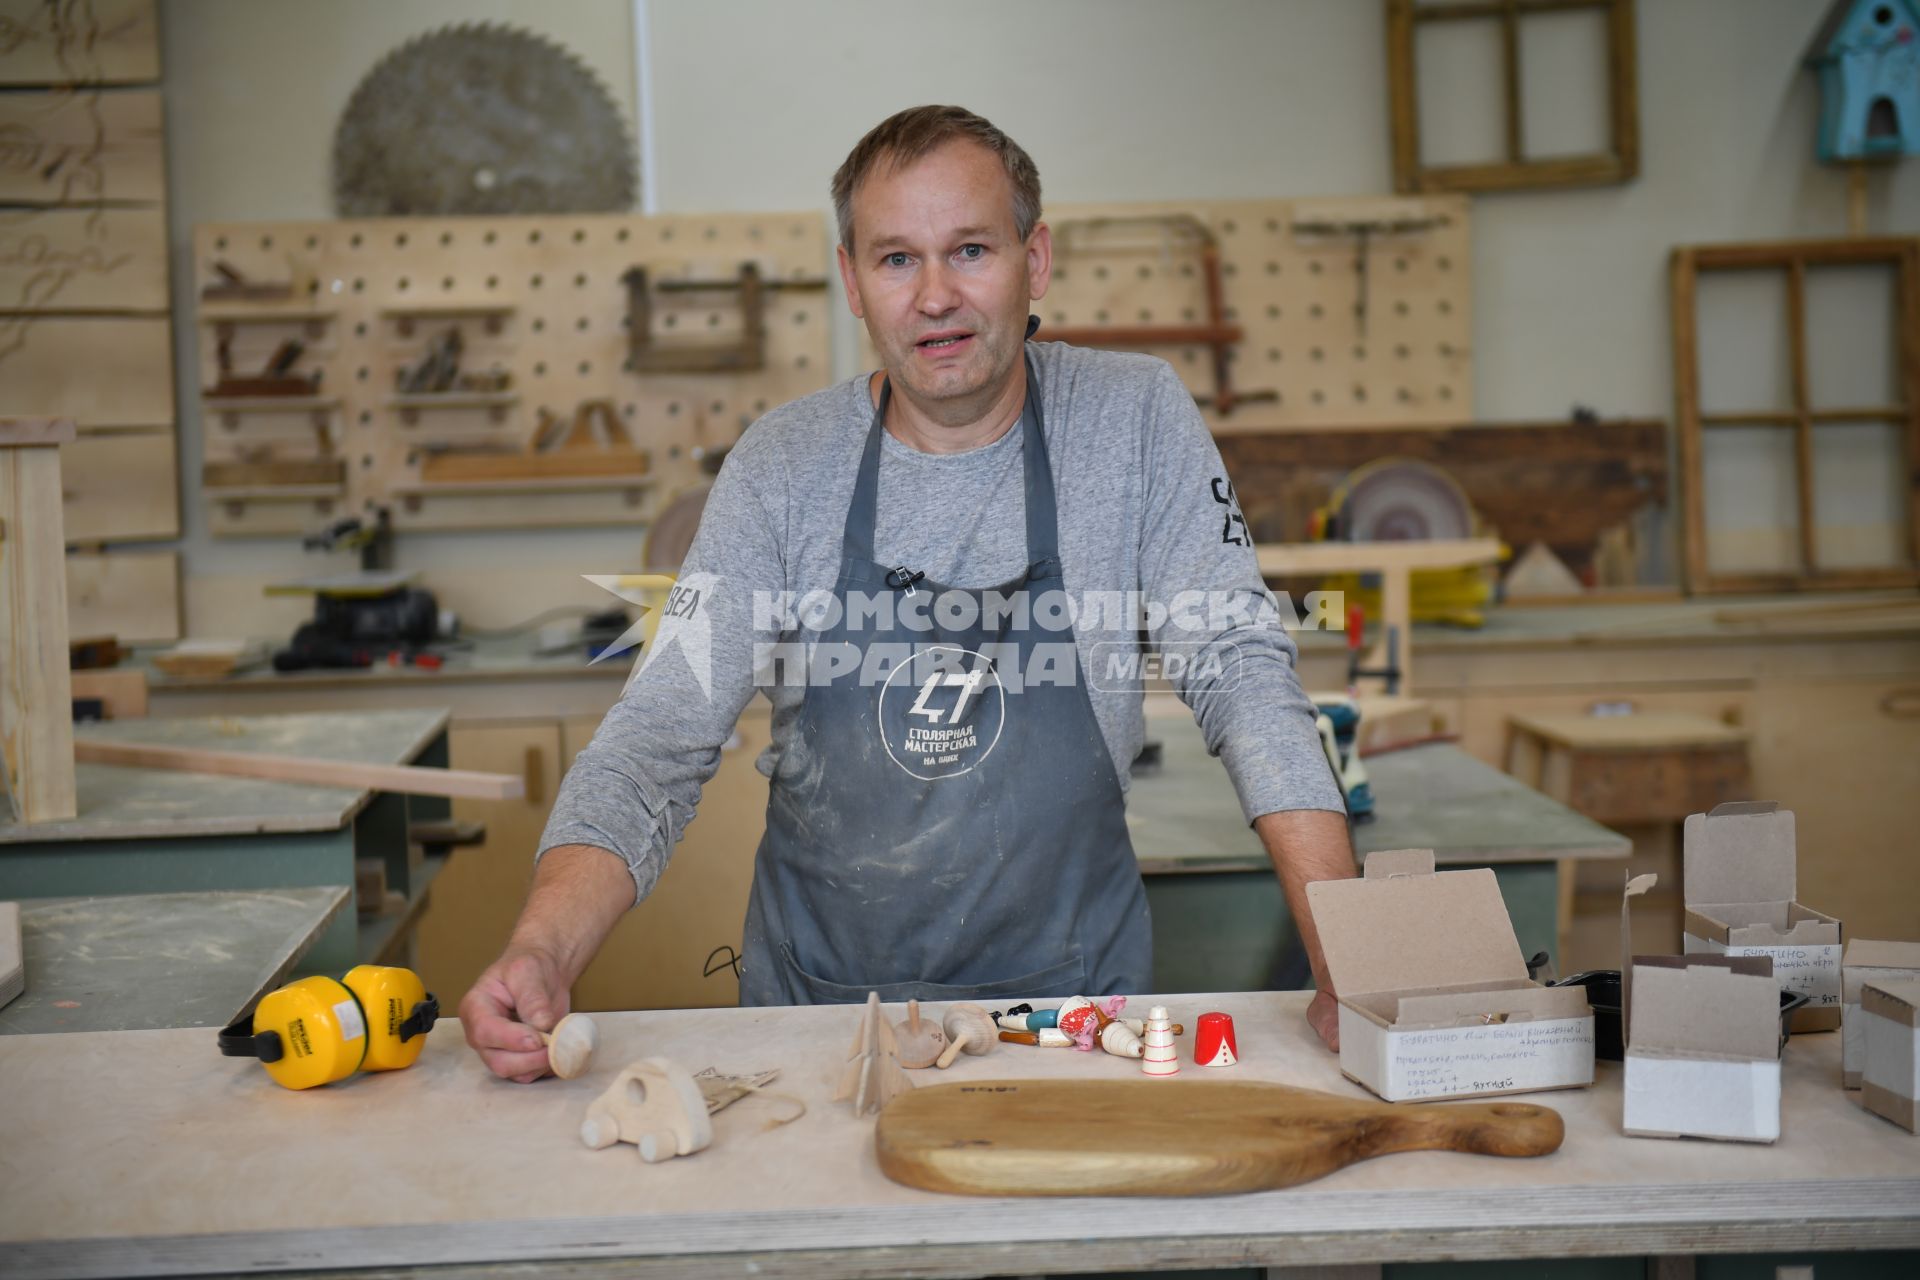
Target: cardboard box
pixel 1890 1080
pixel 1703 1048
pixel 1867 961
pixel 1742 899
pixel 1435 1001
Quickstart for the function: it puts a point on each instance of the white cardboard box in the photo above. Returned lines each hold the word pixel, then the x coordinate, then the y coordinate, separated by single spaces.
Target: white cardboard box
pixel 1434 996
pixel 1742 900
pixel 1890 1080
pixel 1703 1048
pixel 1867 960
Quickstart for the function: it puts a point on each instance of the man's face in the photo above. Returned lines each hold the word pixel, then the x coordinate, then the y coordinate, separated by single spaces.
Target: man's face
pixel 940 276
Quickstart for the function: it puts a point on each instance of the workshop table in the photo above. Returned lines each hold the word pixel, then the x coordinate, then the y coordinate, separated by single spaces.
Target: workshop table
pixel 138 961
pixel 1220 920
pixel 163 831
pixel 195 1163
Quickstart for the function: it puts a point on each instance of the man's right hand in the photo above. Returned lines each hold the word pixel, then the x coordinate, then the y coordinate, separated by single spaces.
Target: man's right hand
pixel 521 991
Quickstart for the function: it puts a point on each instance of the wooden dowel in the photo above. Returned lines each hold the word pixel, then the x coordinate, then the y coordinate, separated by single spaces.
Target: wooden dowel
pixel 461 784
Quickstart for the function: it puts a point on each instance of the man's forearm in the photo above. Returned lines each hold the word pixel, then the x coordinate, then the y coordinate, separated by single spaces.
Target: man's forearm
pixel 579 893
pixel 1307 845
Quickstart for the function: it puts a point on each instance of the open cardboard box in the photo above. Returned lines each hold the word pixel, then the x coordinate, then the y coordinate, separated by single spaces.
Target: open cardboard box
pixel 1434 996
pixel 1867 960
pixel 1703 1048
pixel 1890 1078
pixel 1742 900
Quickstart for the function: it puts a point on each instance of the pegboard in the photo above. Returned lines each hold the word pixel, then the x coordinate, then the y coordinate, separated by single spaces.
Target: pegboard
pixel 540 299
pixel 1306 354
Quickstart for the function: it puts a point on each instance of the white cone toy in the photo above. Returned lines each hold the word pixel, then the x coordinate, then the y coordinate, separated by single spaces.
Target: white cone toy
pixel 1160 1058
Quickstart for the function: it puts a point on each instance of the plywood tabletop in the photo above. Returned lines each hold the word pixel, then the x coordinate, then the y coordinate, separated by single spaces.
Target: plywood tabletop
pixel 1185 816
pixel 190 1163
pixel 1639 731
pixel 117 802
pixel 138 961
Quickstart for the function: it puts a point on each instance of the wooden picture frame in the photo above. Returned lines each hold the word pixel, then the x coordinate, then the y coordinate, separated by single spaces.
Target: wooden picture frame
pixel 1795 259
pixel 1620 162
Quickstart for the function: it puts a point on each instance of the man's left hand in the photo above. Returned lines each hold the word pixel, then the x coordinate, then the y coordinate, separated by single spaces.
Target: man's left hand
pixel 1323 1015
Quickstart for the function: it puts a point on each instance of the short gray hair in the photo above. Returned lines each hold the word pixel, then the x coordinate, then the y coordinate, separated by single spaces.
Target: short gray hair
pixel 907 136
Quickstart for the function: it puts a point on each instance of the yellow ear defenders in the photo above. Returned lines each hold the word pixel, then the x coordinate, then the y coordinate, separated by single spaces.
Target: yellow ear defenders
pixel 319 1030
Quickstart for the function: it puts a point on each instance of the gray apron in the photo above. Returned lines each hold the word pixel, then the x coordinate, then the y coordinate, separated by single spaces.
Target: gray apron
pixel 947 831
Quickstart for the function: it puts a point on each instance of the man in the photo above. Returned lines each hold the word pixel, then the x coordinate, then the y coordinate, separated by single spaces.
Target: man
pixel 946 817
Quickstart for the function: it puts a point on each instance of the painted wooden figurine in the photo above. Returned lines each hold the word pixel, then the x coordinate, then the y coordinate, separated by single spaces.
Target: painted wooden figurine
pixel 1867 57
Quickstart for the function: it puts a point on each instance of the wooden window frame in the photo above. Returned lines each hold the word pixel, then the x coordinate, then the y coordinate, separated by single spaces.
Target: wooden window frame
pixel 1794 258
pixel 1619 163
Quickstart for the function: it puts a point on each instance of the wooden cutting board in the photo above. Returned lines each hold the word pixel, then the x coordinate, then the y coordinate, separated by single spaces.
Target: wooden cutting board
pixel 1171 1137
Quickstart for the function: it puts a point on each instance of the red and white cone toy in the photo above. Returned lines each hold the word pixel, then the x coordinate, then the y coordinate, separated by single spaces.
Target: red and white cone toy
pixel 1160 1059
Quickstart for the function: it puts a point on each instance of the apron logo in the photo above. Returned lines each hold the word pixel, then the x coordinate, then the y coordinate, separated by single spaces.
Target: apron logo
pixel 1233 529
pixel 941 711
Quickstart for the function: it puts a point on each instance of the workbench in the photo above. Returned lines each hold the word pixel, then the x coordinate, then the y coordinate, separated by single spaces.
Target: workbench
pixel 1220 922
pixel 161 831
pixel 199 1163
pixel 141 961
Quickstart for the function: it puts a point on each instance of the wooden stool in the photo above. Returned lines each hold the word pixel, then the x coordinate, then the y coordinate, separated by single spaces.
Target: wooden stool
pixel 1646 768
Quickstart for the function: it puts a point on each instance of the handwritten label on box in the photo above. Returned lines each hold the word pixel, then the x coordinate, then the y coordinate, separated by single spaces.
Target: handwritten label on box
pixel 1513 1056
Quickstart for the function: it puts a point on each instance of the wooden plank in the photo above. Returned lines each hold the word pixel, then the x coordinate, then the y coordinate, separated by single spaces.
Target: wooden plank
pixel 509 467
pixel 1300 558
pixel 1686 416
pixel 121 485
pixel 13 969
pixel 56 366
pixel 1643 730
pixel 1510 75
pixel 67 43
pixel 142 961
pixel 36 710
pixel 79 148
pixel 126 804
pixel 1908 338
pixel 407 779
pixel 1777 253
pixel 273 472
pixel 1802 429
pixel 805 1199
pixel 28 431
pixel 1623 69
pixel 97 261
pixel 122 692
pixel 133 596
pixel 1403 96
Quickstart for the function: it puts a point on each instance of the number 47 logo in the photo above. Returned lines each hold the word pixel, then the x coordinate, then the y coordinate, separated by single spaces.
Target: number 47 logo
pixel 968 682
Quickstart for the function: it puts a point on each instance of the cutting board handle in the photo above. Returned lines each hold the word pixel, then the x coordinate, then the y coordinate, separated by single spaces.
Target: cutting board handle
pixel 1483 1128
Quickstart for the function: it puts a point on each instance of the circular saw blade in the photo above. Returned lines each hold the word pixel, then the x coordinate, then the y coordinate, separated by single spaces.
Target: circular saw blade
pixel 481 119
pixel 1403 499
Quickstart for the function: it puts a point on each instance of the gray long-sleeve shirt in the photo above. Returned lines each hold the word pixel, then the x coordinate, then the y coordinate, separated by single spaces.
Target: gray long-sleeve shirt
pixel 1150 537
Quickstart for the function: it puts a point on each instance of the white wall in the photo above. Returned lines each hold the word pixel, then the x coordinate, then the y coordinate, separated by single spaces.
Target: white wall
pixel 756 101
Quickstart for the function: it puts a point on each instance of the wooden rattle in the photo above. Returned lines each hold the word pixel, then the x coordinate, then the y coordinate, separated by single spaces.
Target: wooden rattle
pixel 655 1105
pixel 919 1042
pixel 570 1045
pixel 971 1028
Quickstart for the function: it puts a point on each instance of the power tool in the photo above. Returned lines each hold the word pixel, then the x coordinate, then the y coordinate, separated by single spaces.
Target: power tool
pixel 1339 724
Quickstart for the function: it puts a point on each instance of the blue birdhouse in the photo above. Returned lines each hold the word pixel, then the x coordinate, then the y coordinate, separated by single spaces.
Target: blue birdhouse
pixel 1867 55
